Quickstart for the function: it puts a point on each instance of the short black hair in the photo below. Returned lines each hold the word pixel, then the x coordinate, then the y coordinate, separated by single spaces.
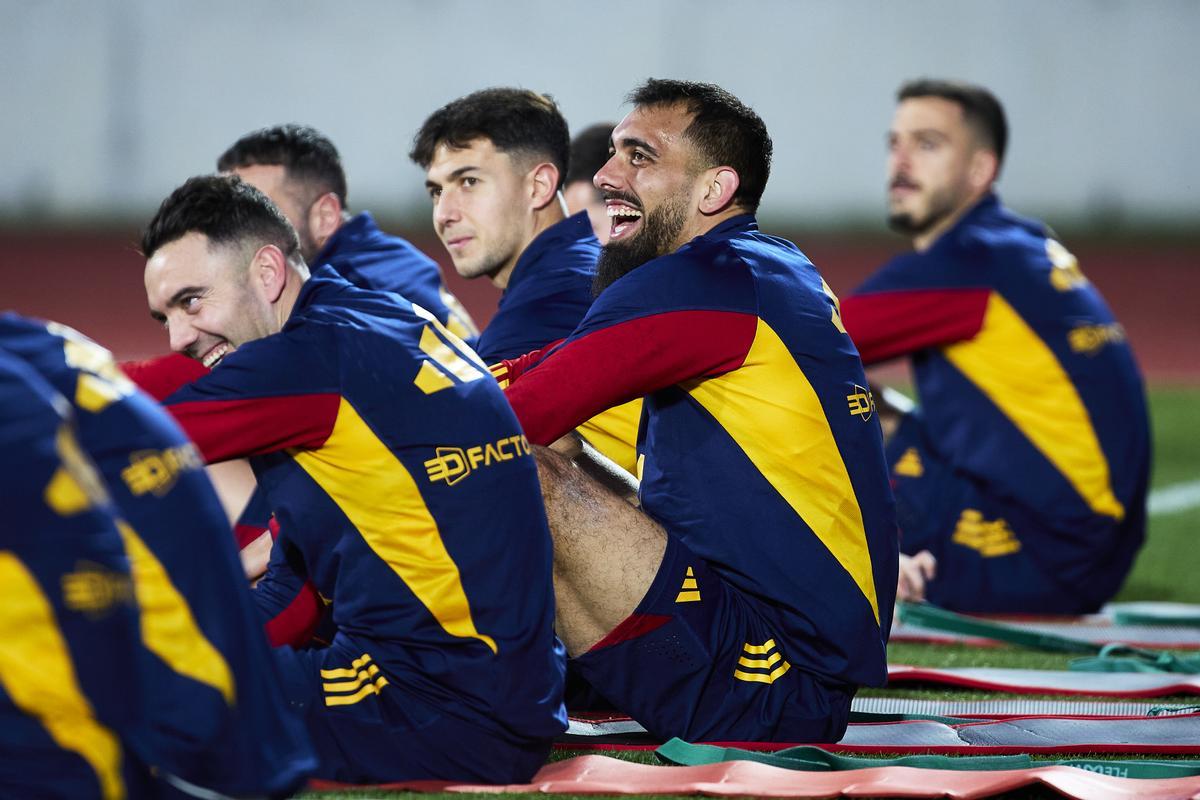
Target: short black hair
pixel 304 152
pixel 726 131
pixel 517 121
pixel 590 150
pixel 981 110
pixel 225 209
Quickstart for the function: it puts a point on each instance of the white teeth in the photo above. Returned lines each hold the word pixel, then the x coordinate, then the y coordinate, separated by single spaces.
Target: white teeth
pixel 214 357
pixel 622 211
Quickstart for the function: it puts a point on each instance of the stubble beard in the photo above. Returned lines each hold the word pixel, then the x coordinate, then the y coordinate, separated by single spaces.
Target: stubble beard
pixel 941 205
pixel 657 237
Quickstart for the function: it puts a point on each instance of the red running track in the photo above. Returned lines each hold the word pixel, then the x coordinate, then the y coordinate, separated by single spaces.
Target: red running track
pixel 93 282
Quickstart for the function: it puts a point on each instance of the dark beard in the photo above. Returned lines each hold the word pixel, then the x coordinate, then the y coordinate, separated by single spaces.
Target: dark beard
pixel 660 230
pixel 941 205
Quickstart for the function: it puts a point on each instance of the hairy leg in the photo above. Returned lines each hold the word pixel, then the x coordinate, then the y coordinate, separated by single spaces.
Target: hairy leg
pixel 606 552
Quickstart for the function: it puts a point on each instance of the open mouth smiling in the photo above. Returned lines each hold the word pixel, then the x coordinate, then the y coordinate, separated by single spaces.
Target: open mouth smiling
pixel 214 356
pixel 624 217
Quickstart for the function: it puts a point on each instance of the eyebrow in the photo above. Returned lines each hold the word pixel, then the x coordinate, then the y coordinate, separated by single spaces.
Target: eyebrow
pixel 630 141
pixel 934 132
pixel 458 173
pixel 174 301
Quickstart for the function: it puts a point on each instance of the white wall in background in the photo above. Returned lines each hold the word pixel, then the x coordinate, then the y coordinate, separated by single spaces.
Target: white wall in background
pixel 108 104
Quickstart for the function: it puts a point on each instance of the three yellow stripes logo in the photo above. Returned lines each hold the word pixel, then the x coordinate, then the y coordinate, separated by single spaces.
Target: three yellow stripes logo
pixel 451 363
pixel 690 591
pixel 361 680
pixel 765 661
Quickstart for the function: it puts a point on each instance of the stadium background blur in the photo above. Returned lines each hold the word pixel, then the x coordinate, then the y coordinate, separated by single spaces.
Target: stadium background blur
pixel 109 105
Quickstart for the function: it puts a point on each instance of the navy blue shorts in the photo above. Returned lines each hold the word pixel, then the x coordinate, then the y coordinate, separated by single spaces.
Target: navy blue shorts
pixel 366 727
pixel 986 548
pixel 701 660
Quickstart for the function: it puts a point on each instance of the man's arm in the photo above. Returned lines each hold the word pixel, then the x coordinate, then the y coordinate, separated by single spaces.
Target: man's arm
pixel 269 395
pixel 163 376
pixel 888 324
pixel 599 368
pixel 288 604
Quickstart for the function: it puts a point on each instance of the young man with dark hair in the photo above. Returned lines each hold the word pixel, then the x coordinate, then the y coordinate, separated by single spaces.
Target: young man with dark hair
pixel 404 490
pixel 300 170
pixel 589 152
pixel 214 713
pixel 1021 481
pixel 495 162
pixel 752 593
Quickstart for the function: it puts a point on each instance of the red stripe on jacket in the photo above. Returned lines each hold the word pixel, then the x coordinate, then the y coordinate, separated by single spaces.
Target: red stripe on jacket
pixel 163 376
pixel 613 365
pixel 225 429
pixel 886 325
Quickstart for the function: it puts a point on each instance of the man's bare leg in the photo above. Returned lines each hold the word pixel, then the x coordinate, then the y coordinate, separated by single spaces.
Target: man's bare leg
pixel 606 552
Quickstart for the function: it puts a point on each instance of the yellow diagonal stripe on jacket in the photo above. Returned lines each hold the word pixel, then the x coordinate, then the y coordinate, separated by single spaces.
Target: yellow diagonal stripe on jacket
pixel 169 629
pixel 772 412
pixel 614 433
pixel 1000 360
pixel 379 497
pixel 37 673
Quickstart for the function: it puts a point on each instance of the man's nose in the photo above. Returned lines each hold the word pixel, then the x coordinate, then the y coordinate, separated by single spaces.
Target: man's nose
pixel 899 159
pixel 445 210
pixel 181 334
pixel 608 178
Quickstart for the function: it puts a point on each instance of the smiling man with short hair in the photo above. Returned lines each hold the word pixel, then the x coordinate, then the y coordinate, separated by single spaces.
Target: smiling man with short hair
pixel 404 491
pixel 752 593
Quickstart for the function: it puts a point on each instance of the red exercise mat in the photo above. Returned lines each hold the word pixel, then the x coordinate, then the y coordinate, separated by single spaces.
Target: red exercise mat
pixel 602 775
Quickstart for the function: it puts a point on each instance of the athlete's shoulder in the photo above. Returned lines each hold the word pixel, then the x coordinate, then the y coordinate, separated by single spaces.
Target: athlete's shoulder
pixel 329 299
pixel 361 237
pixel 714 270
pixel 991 229
pixel 60 354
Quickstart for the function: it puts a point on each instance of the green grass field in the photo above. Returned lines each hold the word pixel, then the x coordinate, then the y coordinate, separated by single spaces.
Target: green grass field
pixel 1165 570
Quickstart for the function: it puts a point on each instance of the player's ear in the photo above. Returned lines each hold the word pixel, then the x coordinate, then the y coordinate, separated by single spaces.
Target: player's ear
pixel 982 170
pixel 543 184
pixel 717 188
pixel 268 272
pixel 324 217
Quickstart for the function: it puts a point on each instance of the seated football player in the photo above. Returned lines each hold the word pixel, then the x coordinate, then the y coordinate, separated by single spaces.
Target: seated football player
pixel 301 171
pixel 404 490
pixel 752 593
pixel 494 163
pixel 1021 478
pixel 215 715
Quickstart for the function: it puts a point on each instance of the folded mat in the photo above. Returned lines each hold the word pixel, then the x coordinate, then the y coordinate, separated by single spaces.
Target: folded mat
pixel 618 727
pixel 1045 681
pixel 1084 635
pixel 1012 707
pixel 1099 634
pixel 816 759
pixel 1166 734
pixel 882 733
pixel 1153 613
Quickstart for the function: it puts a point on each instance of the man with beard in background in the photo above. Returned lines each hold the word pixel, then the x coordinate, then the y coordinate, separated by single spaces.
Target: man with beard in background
pixel 1021 480
pixel 752 593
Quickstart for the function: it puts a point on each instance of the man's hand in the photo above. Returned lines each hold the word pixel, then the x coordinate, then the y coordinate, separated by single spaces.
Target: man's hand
pixel 255 557
pixel 915 571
